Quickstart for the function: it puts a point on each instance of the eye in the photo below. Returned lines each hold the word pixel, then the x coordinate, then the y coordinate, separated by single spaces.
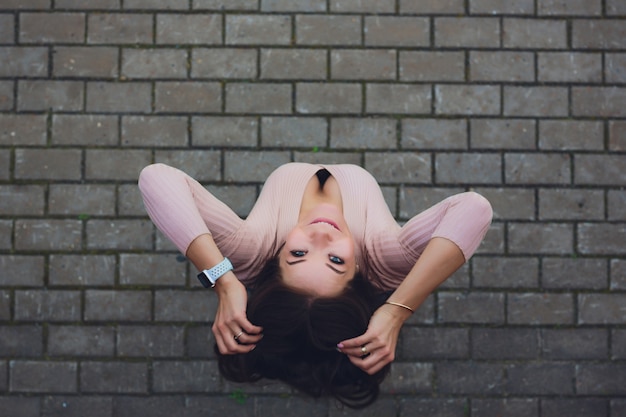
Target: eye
pixel 336 260
pixel 297 253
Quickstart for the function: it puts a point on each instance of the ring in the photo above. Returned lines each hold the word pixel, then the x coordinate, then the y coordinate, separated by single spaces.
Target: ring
pixel 364 350
pixel 238 336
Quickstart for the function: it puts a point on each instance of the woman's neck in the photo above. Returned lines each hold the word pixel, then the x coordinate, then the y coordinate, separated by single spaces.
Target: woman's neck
pixel 315 193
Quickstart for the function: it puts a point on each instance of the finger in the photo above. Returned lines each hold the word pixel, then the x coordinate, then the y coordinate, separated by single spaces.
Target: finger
pixel 354 342
pixel 250 328
pixel 369 365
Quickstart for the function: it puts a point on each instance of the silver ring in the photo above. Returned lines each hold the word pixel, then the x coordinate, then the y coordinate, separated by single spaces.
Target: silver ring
pixel 238 336
pixel 364 350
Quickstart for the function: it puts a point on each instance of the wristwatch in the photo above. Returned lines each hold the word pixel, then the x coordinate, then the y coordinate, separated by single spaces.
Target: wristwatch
pixel 209 277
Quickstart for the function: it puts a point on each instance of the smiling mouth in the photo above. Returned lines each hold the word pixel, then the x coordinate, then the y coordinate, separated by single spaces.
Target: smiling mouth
pixel 326 221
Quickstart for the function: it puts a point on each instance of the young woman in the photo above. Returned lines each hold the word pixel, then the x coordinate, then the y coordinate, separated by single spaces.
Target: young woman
pixel 315 284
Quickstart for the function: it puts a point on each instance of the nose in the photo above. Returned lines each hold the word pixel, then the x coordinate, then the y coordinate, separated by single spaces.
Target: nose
pixel 321 235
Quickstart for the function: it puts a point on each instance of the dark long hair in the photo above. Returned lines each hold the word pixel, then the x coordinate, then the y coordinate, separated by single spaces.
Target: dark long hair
pixel 300 335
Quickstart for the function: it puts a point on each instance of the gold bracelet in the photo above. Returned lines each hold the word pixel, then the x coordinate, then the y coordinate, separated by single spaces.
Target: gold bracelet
pixel 400 305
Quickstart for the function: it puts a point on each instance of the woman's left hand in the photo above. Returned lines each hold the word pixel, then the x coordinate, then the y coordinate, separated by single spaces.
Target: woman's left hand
pixel 377 346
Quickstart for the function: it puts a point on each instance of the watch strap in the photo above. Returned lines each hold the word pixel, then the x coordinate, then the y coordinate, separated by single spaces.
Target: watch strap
pixel 209 277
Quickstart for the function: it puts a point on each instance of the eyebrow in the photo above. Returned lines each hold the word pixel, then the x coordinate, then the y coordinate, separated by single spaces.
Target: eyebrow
pixel 328 265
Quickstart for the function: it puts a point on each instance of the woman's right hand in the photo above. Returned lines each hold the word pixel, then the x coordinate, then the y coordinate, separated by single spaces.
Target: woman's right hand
pixel 233 332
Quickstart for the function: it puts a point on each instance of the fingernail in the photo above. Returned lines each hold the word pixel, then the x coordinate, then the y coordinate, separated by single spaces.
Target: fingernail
pixel 338 350
pixel 340 345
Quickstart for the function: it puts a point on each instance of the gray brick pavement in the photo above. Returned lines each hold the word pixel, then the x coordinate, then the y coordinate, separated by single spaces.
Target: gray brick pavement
pixel 523 101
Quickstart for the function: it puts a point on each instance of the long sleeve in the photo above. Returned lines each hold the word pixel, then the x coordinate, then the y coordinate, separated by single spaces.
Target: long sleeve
pixel 182 208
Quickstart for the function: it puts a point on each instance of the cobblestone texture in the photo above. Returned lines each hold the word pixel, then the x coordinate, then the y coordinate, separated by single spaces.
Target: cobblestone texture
pixel 523 101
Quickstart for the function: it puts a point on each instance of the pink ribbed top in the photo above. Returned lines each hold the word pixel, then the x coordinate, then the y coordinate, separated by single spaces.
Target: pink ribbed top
pixel 183 210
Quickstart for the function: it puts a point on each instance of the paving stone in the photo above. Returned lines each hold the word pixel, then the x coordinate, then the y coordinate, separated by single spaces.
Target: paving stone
pixel 431 66
pixel 201 165
pixel 579 407
pixel 20 61
pixel 601 238
pixel 595 33
pixel 205 29
pixel 301 64
pixel 478 168
pixel 48 235
pixel 159 4
pixel 409 377
pixel 294 131
pixel 82 270
pixel 22 199
pixel 575 135
pixel 513 407
pixel 433 7
pixel 151 269
pixel 363 133
pixel 25 4
pixel 601 379
pixel 574 344
pixel 537 168
pixel 502 66
pixel 113 377
pixel 64 340
pixel 7 100
pixel 119 28
pixel 469 378
pixel 569 67
pixel 548 378
pixel 574 273
pixel 362 6
pixel 600 308
pixel 81 200
pixel 392 31
pixel 534 33
pixel 124 97
pixel 495 7
pixel 7 29
pixel 226 4
pixel 85 130
pixel 413 168
pixel 576 7
pixel 42 377
pixel 112 305
pixel 47 305
pixel 328 30
pixel 154 63
pixel 185 377
pixel 474 307
pixel 503 133
pixel 571 204
pixel 424 343
pixel 21 341
pixel 398 98
pixel 434 134
pixel 432 406
pixel 150 341
pixel 467 32
pixel 328 98
pixel 52 27
pixel 467 100
pixel 293 5
pixel 21 270
pixel 535 101
pixel 505 272
pixel 162 131
pixel 259 98
pixel 50 95
pixel 235 63
pixel 187 97
pixel 115 164
pixel 184 306
pixel 258 29
pixel 541 238
pixel 77 406
pixel 618 274
pixel 118 234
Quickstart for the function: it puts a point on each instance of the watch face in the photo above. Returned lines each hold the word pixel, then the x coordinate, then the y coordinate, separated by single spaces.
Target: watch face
pixel 204 280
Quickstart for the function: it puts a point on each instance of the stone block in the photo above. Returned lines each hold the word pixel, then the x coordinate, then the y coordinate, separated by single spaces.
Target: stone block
pixel 204 165
pixel 467 32
pixel 497 7
pixel 469 378
pixel 119 28
pixel 42 377
pixel 64 340
pixel 77 406
pixel 82 270
pixel 587 273
pixel 534 33
pixel 536 101
pixel 396 31
pixel 156 131
pixel 21 270
pixel 22 200
pixel 22 129
pixel 184 306
pixel 48 235
pixel 294 131
pixel 244 166
pixel 81 200
pixel 185 377
pixel 258 29
pixel 351 133
pixel 540 308
pixel 7 99
pixel 601 308
pixel 571 134
pixel 547 378
pixel 362 6
pixel 41 95
pixel 23 61
pixel 47 305
pixel 471 100
pixel 122 97
pixel 305 6
pixel 327 98
pixel 510 407
pixel 434 134
pixel 601 379
pixel 464 168
pixel 541 238
pixel 116 305
pixel 505 272
pixel 85 130
pixel 150 341
pixel 503 134
pixel 119 234
pixel 398 98
pixel 574 344
pixel 537 168
pixel 599 169
pixel 402 167
pixel 569 67
pixel 571 204
pixel 152 270
pixel 187 97
pixel 52 27
pixel 409 377
pixel 599 101
pixel 571 8
pixel 583 407
pixel 224 63
pixel 431 66
pixel 601 238
pixel 499 66
pixel 426 343
pixel 189 29
pixel 259 98
pixel 21 341
pixel 328 30
pixel 471 307
pixel 114 377
pixel 154 63
pixel 598 34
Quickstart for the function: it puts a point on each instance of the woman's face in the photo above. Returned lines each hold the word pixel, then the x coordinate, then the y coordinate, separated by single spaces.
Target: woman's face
pixel 318 256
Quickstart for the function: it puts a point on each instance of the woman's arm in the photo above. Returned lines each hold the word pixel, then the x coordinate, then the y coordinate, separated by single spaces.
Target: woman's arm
pixel 230 320
pixel 440 259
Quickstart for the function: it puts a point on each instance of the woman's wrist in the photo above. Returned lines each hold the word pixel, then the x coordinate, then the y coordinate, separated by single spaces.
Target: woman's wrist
pixel 225 282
